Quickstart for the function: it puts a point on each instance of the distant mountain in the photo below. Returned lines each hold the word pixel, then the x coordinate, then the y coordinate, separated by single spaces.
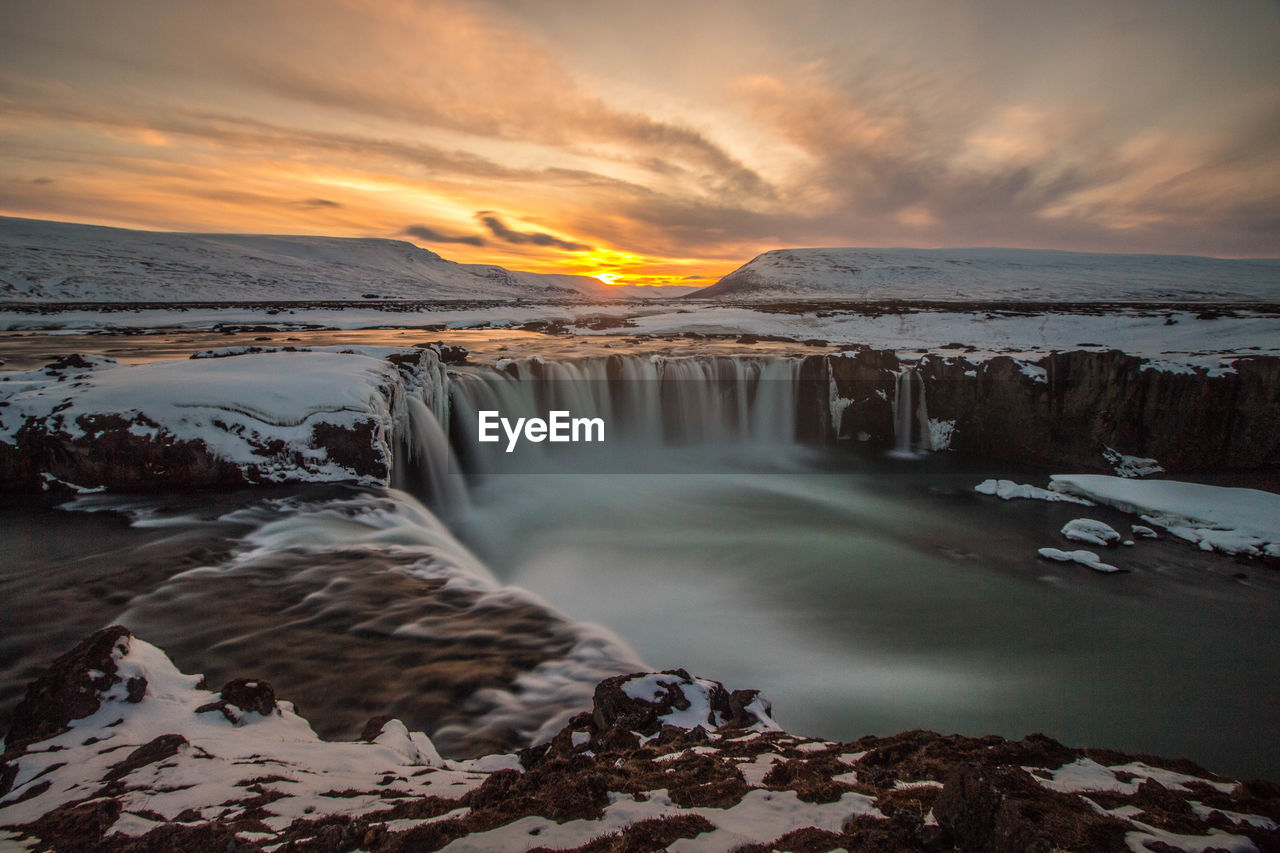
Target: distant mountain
pixel 1027 275
pixel 59 261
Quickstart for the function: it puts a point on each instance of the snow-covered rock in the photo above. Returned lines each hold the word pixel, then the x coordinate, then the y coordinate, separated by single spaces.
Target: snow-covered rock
pixel 255 418
pixel 113 747
pixel 1090 531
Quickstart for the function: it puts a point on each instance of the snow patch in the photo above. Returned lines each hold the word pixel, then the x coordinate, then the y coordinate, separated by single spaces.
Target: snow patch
pixel 1084 558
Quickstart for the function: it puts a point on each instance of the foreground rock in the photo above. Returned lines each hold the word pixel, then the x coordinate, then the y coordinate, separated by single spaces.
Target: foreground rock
pixel 114 749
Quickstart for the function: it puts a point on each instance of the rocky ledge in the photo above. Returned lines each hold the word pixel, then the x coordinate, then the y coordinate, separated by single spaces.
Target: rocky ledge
pixel 88 423
pixel 113 749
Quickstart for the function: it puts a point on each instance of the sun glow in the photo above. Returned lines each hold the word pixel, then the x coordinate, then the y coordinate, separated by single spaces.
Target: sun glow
pixel 608 277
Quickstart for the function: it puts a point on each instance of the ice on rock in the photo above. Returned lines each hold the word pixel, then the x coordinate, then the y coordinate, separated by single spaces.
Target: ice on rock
pixel 1090 531
pixel 1131 466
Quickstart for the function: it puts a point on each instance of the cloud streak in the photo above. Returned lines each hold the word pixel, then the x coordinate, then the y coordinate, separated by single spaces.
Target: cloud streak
pixel 430 235
pixel 530 238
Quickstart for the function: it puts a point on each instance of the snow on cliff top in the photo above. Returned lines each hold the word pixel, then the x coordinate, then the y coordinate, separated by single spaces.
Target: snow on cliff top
pixel 1023 275
pixel 254 410
pixel 59 261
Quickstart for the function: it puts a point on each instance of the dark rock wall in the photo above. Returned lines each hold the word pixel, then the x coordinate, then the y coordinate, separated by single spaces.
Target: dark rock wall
pixel 1085 402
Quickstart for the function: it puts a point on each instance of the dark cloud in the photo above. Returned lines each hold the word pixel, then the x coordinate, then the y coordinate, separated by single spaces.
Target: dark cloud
pixel 531 238
pixel 43 180
pixel 430 235
pixel 319 202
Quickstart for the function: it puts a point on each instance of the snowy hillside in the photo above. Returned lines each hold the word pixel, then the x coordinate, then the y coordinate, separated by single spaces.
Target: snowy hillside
pixel 58 261
pixel 1025 275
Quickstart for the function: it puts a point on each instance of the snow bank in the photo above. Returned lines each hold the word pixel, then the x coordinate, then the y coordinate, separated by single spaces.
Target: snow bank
pixel 1230 520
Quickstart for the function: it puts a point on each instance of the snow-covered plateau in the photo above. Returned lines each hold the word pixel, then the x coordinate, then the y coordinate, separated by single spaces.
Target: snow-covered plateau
pixel 997 275
pixel 65 262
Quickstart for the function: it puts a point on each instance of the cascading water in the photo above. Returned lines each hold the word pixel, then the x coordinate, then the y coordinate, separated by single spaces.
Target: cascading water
pixel 645 401
pixel 904 419
pixel 430 470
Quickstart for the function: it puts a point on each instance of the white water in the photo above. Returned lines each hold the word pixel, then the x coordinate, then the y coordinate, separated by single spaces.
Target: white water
pixel 647 403
pixel 908 417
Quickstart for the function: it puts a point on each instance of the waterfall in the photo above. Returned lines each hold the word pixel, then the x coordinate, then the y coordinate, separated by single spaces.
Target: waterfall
pixel 922 420
pixel 425 464
pixel 645 401
pixel 903 420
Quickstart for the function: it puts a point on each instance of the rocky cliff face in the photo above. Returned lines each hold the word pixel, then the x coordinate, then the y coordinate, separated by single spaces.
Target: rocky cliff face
pixel 271 417
pixel 114 749
pixel 1064 410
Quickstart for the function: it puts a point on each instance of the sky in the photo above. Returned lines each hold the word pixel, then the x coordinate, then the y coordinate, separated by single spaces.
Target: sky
pixel 652 142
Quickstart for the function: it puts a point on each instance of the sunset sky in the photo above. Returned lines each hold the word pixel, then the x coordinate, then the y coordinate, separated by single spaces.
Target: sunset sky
pixel 656 141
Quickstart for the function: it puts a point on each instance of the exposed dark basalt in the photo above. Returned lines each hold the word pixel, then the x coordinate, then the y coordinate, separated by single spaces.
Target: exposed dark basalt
pixel 864 383
pixel 108 453
pixel 70 689
pixel 165 746
pixel 916 791
pixel 1080 404
pixel 1187 421
pixel 240 696
pixel 1001 808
